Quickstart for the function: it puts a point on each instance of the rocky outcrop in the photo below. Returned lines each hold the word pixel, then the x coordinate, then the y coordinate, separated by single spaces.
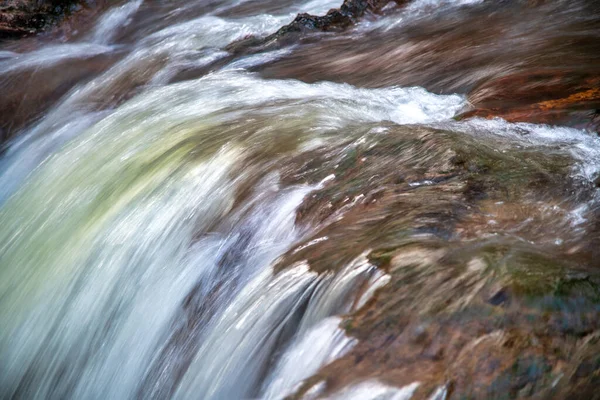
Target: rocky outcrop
pixel 335 20
pixel 349 12
pixel 24 17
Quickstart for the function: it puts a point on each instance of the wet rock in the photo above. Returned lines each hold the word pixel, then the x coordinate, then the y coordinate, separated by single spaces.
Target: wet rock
pixel 482 309
pixel 518 352
pixel 552 97
pixel 24 17
pixel 500 297
pixel 335 20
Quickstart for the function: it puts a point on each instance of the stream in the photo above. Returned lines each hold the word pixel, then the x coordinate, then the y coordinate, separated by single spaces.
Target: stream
pixel 182 221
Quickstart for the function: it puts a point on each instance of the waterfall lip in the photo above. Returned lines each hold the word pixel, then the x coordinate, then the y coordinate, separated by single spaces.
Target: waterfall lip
pixel 400 105
pixel 241 88
pixel 212 98
pixel 218 91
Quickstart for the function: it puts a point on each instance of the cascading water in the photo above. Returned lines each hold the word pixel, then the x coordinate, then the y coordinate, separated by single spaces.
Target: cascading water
pixel 152 238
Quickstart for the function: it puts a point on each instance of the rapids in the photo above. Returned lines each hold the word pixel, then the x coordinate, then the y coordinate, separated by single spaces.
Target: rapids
pixel 178 221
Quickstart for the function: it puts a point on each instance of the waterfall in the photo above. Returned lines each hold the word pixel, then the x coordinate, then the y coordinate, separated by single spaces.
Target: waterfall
pixel 156 235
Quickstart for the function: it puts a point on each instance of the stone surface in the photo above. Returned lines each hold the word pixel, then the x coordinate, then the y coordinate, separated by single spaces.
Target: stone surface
pixel 25 17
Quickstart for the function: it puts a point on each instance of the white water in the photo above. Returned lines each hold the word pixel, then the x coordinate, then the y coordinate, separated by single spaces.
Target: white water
pixel 113 215
pixel 374 390
pixel 322 344
pixel 319 339
pixel 112 20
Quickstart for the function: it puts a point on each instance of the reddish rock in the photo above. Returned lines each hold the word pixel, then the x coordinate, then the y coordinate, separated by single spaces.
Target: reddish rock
pixel 552 97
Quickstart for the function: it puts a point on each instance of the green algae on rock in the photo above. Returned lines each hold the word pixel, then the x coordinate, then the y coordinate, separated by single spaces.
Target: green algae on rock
pixel 471 303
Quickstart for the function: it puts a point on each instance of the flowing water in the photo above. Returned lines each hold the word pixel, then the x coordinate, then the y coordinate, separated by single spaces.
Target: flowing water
pixel 178 222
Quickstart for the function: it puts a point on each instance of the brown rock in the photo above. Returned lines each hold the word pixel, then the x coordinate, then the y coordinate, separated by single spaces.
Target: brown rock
pixel 24 17
pixel 553 97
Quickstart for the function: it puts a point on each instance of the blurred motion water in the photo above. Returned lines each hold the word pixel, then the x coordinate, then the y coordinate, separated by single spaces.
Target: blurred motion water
pixel 180 221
